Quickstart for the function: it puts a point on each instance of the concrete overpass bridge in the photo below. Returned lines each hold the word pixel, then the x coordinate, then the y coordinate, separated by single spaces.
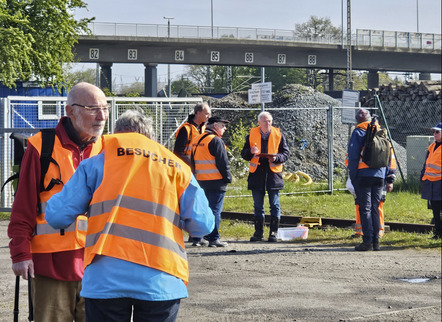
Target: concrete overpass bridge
pixel 371 50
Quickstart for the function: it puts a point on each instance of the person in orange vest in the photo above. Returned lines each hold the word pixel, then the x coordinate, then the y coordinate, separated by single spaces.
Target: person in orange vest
pixel 195 125
pixel 266 150
pixel 390 177
pixel 51 258
pixel 138 196
pixel 431 179
pixel 368 184
pixel 212 170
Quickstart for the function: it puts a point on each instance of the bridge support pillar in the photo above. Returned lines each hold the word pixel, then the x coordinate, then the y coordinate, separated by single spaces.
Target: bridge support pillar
pixel 372 79
pixel 331 83
pixel 150 80
pixel 425 76
pixel 106 76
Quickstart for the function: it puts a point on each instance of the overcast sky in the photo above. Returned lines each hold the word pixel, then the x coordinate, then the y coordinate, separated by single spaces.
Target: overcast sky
pixel 394 15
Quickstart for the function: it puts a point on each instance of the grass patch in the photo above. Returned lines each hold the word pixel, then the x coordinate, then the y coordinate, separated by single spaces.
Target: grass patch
pixel 236 230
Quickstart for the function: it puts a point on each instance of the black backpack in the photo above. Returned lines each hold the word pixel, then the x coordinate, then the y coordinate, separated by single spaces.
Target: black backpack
pixel 377 147
pixel 20 145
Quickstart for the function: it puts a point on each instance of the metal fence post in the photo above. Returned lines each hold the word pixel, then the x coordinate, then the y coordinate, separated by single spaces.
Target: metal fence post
pixel 330 147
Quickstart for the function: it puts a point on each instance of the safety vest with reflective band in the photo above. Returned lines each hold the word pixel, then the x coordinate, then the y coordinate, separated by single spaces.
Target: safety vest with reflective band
pixel 205 164
pixel 363 165
pixel 433 164
pixel 192 132
pixel 134 214
pixel 47 239
pixel 273 147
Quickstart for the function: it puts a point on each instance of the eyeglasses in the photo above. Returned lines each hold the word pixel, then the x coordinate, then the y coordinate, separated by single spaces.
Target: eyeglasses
pixel 436 132
pixel 94 110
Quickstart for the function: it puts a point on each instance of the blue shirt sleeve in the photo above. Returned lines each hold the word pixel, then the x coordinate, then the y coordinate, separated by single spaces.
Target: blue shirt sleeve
pixel 354 153
pixel 196 216
pixel 64 207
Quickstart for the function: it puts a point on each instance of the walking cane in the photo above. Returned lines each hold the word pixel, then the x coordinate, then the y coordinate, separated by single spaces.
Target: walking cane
pixel 16 299
pixel 31 307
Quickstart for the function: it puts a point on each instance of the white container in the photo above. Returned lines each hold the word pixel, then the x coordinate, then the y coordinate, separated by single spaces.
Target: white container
pixel 300 232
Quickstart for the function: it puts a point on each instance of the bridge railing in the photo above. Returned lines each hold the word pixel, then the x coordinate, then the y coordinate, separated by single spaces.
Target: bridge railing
pixel 362 37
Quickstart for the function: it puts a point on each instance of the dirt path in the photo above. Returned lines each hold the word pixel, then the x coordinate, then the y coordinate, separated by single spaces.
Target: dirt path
pixel 291 282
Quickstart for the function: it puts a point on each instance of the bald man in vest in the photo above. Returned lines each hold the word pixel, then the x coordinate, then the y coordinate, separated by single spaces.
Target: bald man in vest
pixel 266 149
pixel 53 259
pixel 138 196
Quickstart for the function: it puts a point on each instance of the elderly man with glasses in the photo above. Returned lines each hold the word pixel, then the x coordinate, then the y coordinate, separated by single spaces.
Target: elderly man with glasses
pixel 53 259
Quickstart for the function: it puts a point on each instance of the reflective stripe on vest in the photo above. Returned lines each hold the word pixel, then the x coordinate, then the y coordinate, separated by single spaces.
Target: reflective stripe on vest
pixel 134 214
pixel 433 165
pixel 192 132
pixel 273 147
pixel 46 239
pixel 205 164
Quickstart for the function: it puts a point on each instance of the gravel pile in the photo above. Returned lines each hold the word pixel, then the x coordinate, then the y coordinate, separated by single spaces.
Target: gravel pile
pixel 301 113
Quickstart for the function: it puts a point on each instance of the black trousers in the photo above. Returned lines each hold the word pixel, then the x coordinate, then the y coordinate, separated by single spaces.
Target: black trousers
pixel 120 310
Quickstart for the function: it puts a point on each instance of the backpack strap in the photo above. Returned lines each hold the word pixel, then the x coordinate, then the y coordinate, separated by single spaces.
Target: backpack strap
pixel 47 146
pixel 11 178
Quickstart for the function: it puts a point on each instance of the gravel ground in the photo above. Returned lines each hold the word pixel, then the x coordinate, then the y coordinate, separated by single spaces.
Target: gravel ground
pixel 291 282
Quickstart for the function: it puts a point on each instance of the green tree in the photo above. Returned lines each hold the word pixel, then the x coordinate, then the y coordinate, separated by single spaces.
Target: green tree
pixel 84 75
pixel 317 28
pixel 36 39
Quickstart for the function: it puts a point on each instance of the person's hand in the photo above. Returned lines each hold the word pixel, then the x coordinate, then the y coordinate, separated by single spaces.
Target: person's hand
pixel 273 159
pixel 254 150
pixel 24 268
pixel 389 187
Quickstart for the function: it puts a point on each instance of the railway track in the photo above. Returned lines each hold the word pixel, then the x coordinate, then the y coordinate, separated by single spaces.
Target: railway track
pixel 291 221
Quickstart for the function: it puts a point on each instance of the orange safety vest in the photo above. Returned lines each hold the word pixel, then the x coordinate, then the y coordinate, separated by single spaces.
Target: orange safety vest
pixel 273 147
pixel 134 214
pixel 433 165
pixel 192 131
pixel 47 239
pixel 363 165
pixel 205 164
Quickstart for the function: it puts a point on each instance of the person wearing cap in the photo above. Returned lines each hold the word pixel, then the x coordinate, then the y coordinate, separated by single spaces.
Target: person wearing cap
pixel 431 179
pixel 212 170
pixel 266 149
pixel 195 125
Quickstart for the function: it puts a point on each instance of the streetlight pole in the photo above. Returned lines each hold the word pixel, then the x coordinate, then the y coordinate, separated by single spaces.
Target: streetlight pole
pixel 211 15
pixel 417 15
pixel 169 90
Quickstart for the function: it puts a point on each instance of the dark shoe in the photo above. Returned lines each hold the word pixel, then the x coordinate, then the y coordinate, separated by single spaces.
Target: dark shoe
pixel 355 236
pixel 217 243
pixel 256 238
pixel 376 247
pixel 364 247
pixel 190 239
pixel 272 239
pixel 436 237
pixel 200 243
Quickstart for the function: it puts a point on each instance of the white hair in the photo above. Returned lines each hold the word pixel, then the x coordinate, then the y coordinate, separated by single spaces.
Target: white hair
pixel 264 113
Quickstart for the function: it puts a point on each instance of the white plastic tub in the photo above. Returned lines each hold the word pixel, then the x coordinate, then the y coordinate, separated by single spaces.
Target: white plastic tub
pixel 300 232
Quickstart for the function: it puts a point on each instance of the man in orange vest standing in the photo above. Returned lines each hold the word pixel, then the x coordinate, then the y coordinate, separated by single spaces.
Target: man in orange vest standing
pixel 431 179
pixel 54 258
pixel 368 184
pixel 266 149
pixel 195 125
pixel 212 170
pixel 138 196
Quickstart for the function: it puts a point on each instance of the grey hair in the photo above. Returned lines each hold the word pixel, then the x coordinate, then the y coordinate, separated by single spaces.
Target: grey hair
pixel 200 106
pixel 135 121
pixel 264 113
